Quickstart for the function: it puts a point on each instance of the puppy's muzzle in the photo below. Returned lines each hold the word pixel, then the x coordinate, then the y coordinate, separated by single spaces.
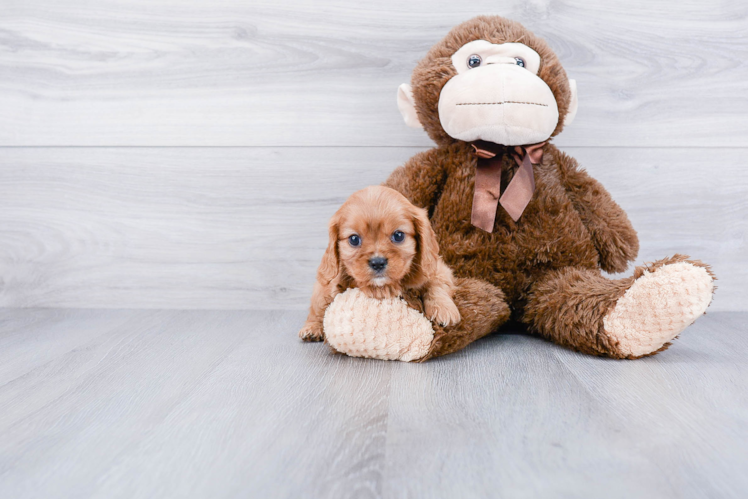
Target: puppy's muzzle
pixel 378 264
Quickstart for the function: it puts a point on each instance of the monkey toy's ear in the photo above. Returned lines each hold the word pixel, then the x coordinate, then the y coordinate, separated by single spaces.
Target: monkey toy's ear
pixel 573 103
pixel 407 106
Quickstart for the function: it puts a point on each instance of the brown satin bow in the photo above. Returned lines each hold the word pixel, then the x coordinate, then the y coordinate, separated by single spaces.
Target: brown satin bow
pixel 487 193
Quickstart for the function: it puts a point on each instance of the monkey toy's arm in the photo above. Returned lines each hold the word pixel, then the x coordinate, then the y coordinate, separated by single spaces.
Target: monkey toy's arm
pixel 420 179
pixel 610 228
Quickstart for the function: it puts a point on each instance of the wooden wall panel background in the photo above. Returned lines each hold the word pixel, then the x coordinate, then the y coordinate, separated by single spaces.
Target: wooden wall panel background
pixel 274 73
pixel 187 154
pixel 246 227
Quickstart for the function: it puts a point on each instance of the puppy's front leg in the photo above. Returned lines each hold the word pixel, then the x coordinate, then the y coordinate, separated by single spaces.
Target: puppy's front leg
pixel 440 307
pixel 437 299
pixel 312 331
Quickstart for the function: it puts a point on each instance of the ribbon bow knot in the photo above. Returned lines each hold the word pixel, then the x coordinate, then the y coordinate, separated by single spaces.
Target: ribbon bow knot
pixel 487 193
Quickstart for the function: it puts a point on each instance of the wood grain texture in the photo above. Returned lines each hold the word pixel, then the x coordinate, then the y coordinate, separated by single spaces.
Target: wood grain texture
pixel 231 404
pixel 265 73
pixel 245 228
pixel 519 417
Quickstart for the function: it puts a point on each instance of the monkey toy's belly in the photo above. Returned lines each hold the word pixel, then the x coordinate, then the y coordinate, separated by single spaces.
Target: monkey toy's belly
pixel 549 235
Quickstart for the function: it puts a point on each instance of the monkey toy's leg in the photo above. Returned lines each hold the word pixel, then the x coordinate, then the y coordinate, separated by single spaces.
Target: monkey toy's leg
pixel 625 318
pixel 483 310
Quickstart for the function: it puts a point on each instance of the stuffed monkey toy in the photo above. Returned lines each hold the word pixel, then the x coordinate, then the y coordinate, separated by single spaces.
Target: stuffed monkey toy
pixel 524 229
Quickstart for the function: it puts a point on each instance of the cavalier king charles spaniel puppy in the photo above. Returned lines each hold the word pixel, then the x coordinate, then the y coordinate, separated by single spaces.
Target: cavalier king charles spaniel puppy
pixel 385 246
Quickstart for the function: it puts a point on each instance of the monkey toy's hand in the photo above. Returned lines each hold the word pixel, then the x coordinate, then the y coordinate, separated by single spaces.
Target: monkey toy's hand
pixel 361 326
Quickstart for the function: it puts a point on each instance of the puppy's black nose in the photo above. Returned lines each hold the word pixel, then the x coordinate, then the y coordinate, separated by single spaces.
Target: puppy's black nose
pixel 377 263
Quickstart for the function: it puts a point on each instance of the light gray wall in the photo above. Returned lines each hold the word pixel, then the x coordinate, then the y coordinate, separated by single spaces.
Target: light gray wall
pixel 187 154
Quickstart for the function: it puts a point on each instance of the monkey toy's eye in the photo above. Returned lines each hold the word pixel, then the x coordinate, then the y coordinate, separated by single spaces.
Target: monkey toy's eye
pixel 520 62
pixel 397 237
pixel 474 61
pixel 354 240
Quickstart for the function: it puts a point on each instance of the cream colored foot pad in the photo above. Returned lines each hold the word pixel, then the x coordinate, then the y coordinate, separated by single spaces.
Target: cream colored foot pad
pixel 361 326
pixel 658 306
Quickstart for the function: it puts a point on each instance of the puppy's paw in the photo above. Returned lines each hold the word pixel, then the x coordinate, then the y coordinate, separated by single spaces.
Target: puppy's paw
pixel 442 311
pixel 312 332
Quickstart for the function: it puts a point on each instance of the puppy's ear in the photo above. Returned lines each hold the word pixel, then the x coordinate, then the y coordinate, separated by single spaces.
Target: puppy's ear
pixel 329 269
pixel 428 247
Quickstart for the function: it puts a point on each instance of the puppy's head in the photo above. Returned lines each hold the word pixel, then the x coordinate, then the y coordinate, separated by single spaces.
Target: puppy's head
pixel 381 242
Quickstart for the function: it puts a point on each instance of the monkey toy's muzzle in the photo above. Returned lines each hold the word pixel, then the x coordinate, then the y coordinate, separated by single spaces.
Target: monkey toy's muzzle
pixel 499 103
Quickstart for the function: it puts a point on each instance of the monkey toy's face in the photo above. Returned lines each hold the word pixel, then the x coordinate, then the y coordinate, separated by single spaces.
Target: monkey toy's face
pixel 497 96
pixel 493 88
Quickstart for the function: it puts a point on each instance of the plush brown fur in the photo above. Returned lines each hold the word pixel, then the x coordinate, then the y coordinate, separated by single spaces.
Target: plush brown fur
pixel 546 267
pixel 571 220
pixel 413 266
pixel 483 310
pixel 571 225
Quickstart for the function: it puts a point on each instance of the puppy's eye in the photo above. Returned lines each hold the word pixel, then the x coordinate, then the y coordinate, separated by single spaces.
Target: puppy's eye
pixel 474 61
pixel 520 62
pixel 397 237
pixel 354 240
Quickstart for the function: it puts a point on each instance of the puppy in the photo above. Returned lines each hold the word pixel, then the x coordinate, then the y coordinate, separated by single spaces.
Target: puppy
pixel 385 246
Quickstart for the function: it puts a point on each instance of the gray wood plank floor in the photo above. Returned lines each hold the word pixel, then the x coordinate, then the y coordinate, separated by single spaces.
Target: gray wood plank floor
pixel 230 403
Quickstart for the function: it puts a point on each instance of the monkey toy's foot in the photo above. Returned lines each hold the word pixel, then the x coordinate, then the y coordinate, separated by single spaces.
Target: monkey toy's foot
pixel 361 326
pixel 664 299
